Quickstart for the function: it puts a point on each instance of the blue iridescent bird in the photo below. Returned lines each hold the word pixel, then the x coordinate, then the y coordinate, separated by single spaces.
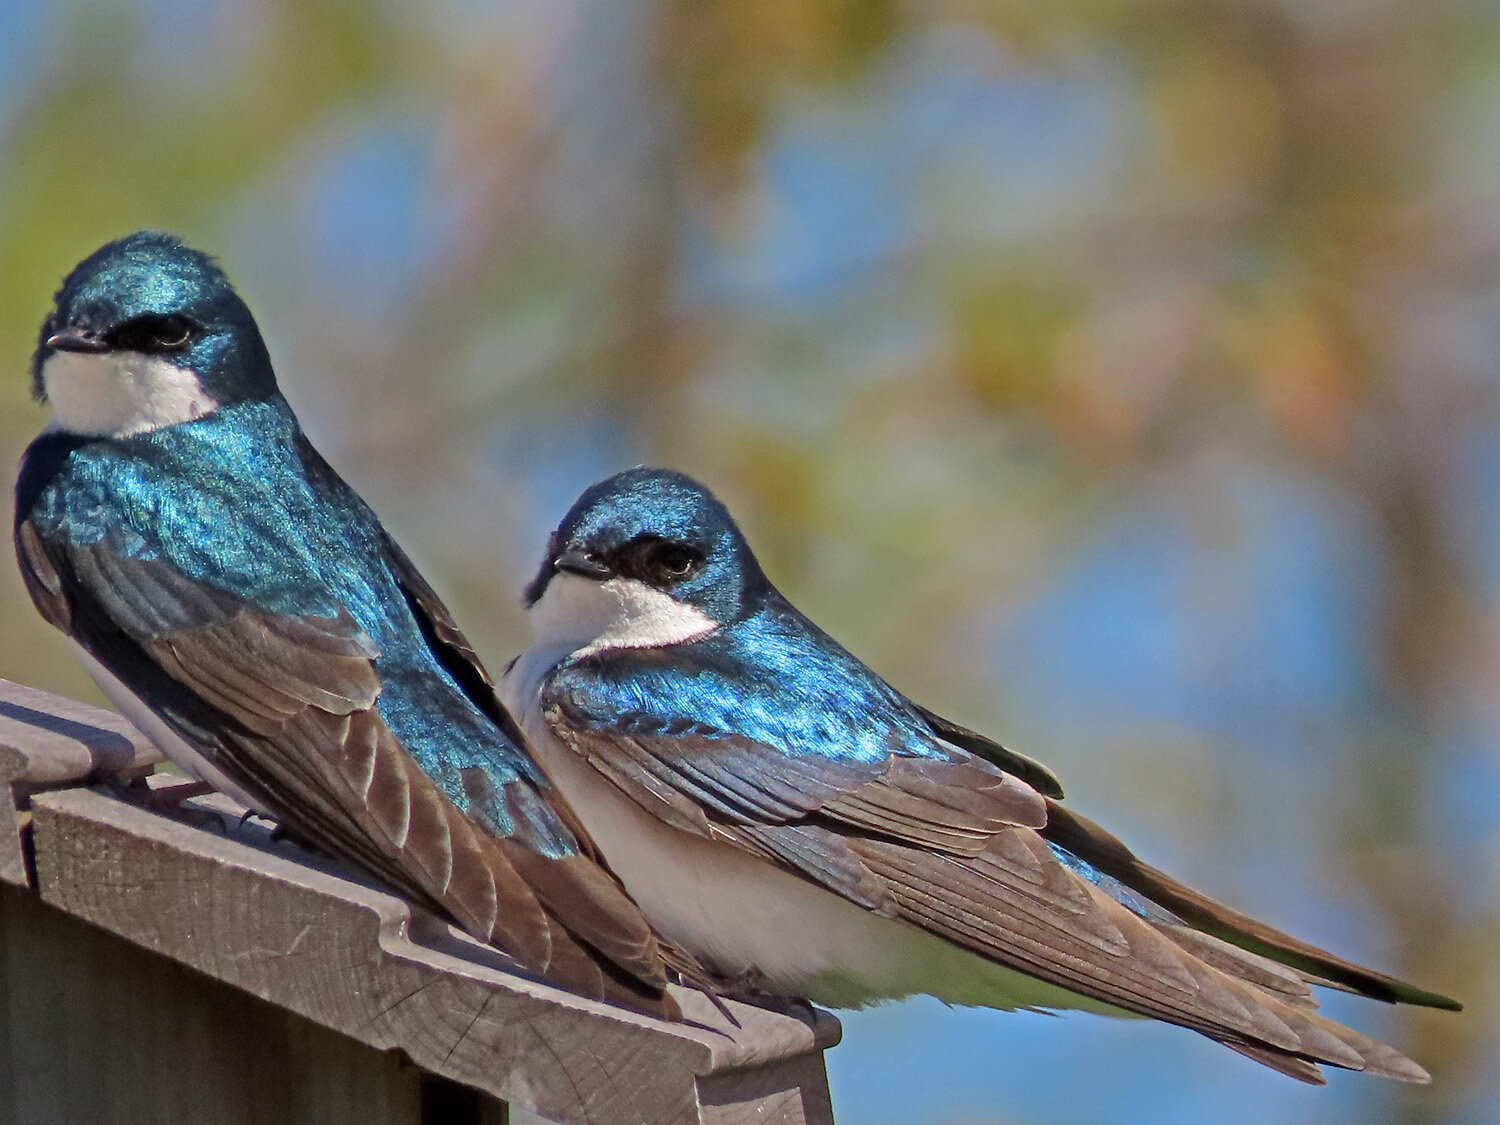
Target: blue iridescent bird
pixel 240 603
pixel 799 826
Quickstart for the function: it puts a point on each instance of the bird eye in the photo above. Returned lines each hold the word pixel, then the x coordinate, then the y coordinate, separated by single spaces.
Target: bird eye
pixel 152 333
pixel 675 561
pixel 172 332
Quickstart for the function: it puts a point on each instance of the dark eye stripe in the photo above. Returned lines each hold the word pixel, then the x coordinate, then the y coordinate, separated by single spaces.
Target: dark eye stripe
pixel 153 334
pixel 657 561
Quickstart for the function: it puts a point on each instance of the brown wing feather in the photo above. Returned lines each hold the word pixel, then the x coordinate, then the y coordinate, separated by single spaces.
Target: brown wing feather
pixel 1103 851
pixel 1029 770
pixel 953 806
pixel 691 781
pixel 360 787
pixel 42 581
pixel 1107 952
pixel 588 898
pixel 299 729
pixel 960 849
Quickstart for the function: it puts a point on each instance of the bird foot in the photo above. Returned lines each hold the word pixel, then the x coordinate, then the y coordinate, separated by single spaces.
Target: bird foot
pixel 281 833
pixel 168 800
pixel 752 986
pixel 748 985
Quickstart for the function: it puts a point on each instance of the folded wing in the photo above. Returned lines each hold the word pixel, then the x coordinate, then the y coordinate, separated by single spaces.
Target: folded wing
pixel 956 845
pixel 287 707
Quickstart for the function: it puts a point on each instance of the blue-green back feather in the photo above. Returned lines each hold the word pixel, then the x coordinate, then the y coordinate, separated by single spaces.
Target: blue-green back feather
pixel 228 501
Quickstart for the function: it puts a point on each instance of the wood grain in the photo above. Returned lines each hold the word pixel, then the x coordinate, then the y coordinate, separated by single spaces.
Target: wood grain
pixel 95 1030
pixel 45 741
pixel 163 973
pixel 355 960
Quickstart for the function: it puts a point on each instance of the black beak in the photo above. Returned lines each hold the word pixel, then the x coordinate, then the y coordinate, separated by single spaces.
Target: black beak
pixel 582 564
pixel 74 339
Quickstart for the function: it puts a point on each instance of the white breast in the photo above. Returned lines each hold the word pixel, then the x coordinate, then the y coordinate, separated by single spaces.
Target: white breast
pixel 736 912
pixel 580 614
pixel 116 394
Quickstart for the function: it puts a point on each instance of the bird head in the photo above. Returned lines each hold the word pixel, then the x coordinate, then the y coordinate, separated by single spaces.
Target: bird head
pixel 144 333
pixel 646 556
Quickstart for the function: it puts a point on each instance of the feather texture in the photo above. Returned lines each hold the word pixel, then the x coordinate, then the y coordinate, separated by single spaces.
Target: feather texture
pixel 754 780
pixel 960 850
pixel 228 577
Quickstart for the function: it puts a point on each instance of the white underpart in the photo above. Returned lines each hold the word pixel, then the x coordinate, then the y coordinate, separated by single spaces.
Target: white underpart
pixel 116 394
pixel 187 759
pixel 578 615
pixel 733 911
pixel 582 614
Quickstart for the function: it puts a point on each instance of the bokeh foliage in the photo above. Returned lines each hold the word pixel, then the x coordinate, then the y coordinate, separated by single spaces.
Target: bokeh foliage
pixel 1012 330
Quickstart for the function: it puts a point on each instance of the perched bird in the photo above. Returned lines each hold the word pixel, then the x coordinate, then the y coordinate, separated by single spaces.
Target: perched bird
pixel 798 825
pixel 244 607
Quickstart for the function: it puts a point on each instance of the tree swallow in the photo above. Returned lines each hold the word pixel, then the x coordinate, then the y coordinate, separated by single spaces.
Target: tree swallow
pixel 244 607
pixel 793 821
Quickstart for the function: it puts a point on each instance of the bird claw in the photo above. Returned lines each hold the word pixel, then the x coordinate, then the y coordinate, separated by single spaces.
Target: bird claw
pixel 168 800
pixel 752 986
pixel 280 833
pixel 748 985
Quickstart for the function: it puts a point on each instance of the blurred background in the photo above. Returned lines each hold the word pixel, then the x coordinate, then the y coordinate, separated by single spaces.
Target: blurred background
pixel 1119 378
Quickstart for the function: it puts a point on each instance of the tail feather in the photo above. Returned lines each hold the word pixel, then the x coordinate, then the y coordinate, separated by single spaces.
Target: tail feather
pixel 1262 972
pixel 1292 1065
pixel 1109 952
pixel 1095 846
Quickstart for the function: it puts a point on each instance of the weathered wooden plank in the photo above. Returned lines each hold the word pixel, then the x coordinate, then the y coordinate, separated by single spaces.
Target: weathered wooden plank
pixel 46 740
pixel 342 954
pixel 12 857
pixel 356 960
pixel 96 1030
pixel 794 1089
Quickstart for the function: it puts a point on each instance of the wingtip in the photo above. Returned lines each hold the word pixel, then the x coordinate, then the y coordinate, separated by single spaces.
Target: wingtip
pixel 1096 846
pixel 1392 1064
pixel 1411 994
pixel 1293 1066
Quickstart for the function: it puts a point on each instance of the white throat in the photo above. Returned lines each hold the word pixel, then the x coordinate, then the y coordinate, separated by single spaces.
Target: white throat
pixel 580 615
pixel 116 394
